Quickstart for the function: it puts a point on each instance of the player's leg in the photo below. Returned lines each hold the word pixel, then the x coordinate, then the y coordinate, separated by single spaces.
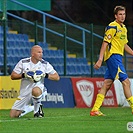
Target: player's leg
pixel 127 92
pixel 37 95
pixel 100 98
pixel 15 113
pixel 44 94
pixel 21 107
pixel 27 109
pixel 123 77
pixel 19 113
pixel 114 63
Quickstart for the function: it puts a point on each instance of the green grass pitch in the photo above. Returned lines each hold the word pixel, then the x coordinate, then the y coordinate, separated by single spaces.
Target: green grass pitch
pixel 68 120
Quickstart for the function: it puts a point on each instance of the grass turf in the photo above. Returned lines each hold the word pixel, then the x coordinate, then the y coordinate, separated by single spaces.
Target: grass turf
pixel 68 120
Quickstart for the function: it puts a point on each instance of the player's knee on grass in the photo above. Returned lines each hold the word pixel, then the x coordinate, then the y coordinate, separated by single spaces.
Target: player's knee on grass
pixel 14 113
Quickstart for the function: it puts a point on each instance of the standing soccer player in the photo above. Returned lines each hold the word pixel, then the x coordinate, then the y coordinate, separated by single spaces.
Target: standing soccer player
pixel 112 49
pixel 32 72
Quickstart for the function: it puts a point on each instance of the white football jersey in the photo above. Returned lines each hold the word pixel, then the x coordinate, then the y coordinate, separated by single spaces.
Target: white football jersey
pixel 25 65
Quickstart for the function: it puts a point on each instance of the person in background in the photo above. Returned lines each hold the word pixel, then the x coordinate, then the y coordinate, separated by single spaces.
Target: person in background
pixel 32 72
pixel 112 50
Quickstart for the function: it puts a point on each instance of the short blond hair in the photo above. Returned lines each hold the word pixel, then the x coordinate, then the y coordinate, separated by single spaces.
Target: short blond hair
pixel 118 8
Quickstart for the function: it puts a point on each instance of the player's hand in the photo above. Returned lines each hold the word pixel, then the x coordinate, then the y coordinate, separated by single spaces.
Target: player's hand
pixel 38 75
pixel 28 75
pixel 98 64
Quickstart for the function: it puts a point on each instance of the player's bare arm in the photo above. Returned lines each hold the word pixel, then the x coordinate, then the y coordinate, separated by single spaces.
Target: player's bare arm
pixel 54 76
pixel 128 49
pixel 15 76
pixel 102 51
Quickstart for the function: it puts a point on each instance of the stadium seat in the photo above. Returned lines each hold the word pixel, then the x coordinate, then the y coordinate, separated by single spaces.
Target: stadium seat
pixel 1 51
pixel 1 59
pixel 11 44
pixel 10 37
pixel 71 61
pixel 59 53
pixel 69 70
pixel 10 51
pixel 49 53
pixel 25 37
pixel 1 29
pixel 59 69
pixel 60 60
pixel 81 61
pixel 43 45
pixel 86 69
pixel 1 36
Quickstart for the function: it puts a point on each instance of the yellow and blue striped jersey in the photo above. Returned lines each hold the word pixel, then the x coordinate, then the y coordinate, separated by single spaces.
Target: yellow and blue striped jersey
pixel 116 36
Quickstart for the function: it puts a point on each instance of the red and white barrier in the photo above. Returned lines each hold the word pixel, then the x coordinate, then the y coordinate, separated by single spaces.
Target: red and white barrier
pixel 86 90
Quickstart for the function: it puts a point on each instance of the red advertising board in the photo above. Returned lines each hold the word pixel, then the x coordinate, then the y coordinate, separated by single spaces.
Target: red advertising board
pixel 86 90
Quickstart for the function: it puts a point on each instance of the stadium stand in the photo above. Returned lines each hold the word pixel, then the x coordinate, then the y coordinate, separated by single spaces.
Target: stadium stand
pixel 18 47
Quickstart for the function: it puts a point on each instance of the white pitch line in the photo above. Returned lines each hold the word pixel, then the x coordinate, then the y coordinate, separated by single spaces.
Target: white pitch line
pixel 17 119
pixel 25 119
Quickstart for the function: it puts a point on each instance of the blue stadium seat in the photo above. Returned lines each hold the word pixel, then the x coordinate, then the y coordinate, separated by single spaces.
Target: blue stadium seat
pixel 1 51
pixel 9 60
pixel 86 69
pixel 1 36
pixel 81 61
pixel 69 70
pixel 80 70
pixel 11 44
pixel 24 52
pixel 1 29
pixel 51 60
pixel 100 71
pixel 1 59
pixel 1 44
pixel 10 37
pixel 25 37
pixel 59 53
pixel 10 51
pixel 71 61
pixel 59 69
pixel 29 44
pixel 43 45
pixel 22 37
pixel 60 60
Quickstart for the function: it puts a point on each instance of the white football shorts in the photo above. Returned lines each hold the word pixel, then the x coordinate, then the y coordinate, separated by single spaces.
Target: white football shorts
pixel 23 101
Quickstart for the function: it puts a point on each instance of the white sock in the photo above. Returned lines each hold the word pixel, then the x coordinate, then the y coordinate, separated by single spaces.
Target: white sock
pixel 26 110
pixel 37 103
pixel 44 94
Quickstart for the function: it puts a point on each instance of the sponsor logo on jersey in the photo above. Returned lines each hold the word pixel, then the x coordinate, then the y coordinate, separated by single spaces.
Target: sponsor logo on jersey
pixel 109 36
pixel 122 37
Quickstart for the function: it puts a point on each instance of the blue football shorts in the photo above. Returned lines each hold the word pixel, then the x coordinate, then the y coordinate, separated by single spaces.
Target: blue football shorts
pixel 115 68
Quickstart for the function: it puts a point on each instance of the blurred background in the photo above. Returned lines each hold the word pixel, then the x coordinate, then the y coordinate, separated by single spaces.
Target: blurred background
pixel 69 31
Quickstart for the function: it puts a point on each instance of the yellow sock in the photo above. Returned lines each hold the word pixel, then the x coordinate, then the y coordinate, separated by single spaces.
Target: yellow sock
pixel 98 102
pixel 130 101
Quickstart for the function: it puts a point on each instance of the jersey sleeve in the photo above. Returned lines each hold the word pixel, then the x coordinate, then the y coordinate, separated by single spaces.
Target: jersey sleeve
pixel 50 69
pixel 18 68
pixel 110 32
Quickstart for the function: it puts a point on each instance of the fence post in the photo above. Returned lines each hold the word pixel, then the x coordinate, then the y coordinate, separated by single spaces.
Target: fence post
pixel 84 44
pixel 65 49
pixel 44 28
pixel 92 50
pixel 36 33
pixel 4 20
pixel 125 61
